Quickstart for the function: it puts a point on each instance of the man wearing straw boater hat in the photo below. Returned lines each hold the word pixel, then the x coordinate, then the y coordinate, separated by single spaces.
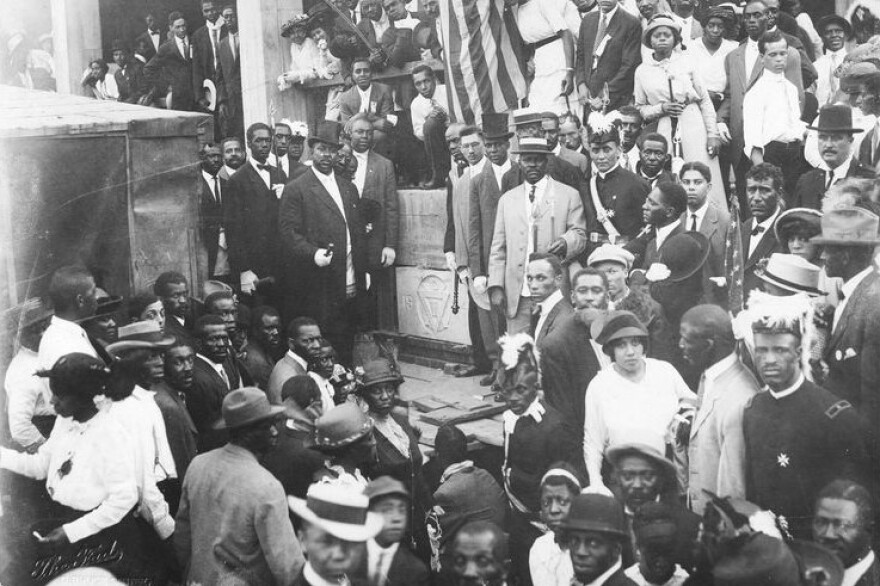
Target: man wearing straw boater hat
pixel 553 215
pixel 336 523
pixel 233 525
pixel 835 133
pixel 849 237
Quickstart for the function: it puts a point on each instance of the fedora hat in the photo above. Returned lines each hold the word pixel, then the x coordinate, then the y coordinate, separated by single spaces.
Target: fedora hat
pixel 616 453
pixel 108 305
pixel 380 370
pixel 849 226
pixel 496 126
pixel 597 513
pixel 835 118
pixel 29 312
pixel 341 426
pixel 684 254
pixel 385 486
pixel 532 146
pixel 616 325
pixel 245 406
pixel 338 510
pixel 816 561
pixel 791 273
pixel 327 132
pixel 657 21
pixel 761 560
pixel 140 334
pixel 788 218
pixel 834 19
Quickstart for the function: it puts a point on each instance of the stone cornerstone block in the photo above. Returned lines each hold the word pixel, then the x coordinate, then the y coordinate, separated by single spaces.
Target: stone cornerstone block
pixel 424 305
pixel 422 227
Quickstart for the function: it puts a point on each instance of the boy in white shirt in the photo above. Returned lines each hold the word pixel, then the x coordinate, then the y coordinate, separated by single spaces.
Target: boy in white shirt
pixel 773 131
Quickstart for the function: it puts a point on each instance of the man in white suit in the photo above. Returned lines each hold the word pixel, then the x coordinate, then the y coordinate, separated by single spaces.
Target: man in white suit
pixel 540 215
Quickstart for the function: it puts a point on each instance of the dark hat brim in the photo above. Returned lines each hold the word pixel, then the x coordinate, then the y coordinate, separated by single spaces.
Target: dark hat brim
pixel 274 412
pixel 840 242
pixel 385 378
pixel 570 524
pixel 769 277
pixel 704 255
pixel 841 129
pixel 504 136
pixel 808 215
pixel 834 19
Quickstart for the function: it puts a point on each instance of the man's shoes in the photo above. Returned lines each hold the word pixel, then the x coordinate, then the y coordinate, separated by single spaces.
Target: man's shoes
pixel 467 370
pixel 487 380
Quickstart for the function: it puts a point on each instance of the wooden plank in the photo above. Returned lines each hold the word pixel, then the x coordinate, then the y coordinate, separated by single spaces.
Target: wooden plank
pixel 456 416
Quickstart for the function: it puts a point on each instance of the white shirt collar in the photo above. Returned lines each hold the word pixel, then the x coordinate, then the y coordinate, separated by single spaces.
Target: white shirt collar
pixel 790 390
pixel 216 25
pixel 548 304
pixel 503 167
pixel 540 187
pixel 849 287
pixel 478 168
pixel 209 178
pixel 254 164
pixel 852 574
pixel 721 366
pixel 365 94
pixel 768 223
pixel 535 411
pixel 314 579
pixel 373 552
pixel 214 365
pixel 72 328
pixel 839 53
pixel 557 149
pixel 153 33
pixel 610 14
pixel 611 170
pixel 700 211
pixel 361 156
pixel 299 359
pixel 664 232
pixel 608 573
pixel 327 180
pixel 841 170
pixel 229 170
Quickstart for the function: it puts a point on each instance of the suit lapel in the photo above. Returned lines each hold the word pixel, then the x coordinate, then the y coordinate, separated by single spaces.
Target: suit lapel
pixel 325 197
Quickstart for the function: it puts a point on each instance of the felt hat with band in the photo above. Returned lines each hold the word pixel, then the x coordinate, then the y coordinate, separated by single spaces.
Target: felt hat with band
pixel 246 406
pixel 341 426
pixel 849 226
pixel 611 253
pixel 596 513
pixel 526 116
pixel 338 510
pixel 142 334
pixel 791 273
pixel 380 371
pixel 659 21
pixel 836 118
pixel 327 132
pixel 496 126
pixel 385 486
pixel 617 325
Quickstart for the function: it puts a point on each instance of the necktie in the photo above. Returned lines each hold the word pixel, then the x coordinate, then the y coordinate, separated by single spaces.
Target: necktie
pixel 378 577
pixel 225 378
pixel 757 230
pixel 216 189
pixel 830 180
pixel 626 161
pixel 233 45
pixel 532 194
pixel 694 227
pixel 536 317
pixel 834 81
pixel 185 51
pixel 600 32
pixel 215 42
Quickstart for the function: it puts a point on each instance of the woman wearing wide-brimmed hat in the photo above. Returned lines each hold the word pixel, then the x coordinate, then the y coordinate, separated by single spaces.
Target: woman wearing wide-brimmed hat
pixel 669 94
pixel 793 229
pixel 635 394
pixel 344 434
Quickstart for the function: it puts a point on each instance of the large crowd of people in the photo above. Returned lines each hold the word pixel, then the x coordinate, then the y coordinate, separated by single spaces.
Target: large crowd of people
pixel 673 290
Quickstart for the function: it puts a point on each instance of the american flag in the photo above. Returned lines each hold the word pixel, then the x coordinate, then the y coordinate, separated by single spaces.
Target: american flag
pixel 733 259
pixel 484 66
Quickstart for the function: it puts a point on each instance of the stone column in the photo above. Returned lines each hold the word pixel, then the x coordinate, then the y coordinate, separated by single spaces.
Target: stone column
pixel 264 56
pixel 76 30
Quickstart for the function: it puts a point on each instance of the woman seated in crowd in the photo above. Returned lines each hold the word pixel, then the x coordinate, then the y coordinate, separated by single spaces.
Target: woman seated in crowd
pixel 635 395
pixel 98 82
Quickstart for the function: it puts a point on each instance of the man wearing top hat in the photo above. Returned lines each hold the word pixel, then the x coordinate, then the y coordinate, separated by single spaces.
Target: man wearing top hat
pixel 835 136
pixel 849 237
pixel 323 243
pixel 233 522
pixel 541 215
pixel 616 195
pixel 336 523
pixel 594 532
pixel 798 436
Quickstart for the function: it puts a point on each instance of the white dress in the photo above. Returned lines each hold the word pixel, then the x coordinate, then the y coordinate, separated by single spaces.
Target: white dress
pixel 549 564
pixel 538 20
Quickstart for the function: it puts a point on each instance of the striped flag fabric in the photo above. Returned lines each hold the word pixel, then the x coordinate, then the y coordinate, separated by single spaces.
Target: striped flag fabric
pixel 484 64
pixel 733 259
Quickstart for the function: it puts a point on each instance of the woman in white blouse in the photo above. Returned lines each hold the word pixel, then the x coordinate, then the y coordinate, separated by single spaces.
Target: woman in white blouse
pixel 549 564
pixel 635 395
pixel 86 462
pixel 670 94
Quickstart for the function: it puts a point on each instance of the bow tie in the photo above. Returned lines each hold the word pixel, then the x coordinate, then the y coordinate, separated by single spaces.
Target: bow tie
pixel 264 167
pixel 757 230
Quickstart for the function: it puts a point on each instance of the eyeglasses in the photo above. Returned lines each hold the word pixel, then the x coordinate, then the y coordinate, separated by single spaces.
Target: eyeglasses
pixel 821 524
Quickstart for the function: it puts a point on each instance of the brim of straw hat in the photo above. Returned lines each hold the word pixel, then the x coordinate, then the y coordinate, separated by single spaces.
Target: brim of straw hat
pixel 124 345
pixel 769 277
pixel 345 531
pixel 614 453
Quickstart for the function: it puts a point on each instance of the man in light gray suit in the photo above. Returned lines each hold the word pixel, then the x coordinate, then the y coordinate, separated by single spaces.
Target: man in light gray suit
pixel 716 450
pixel 303 338
pixel 743 67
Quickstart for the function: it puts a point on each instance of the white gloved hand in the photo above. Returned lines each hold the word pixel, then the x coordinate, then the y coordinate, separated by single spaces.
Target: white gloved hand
pixel 481 283
pixel 322 259
pixel 388 256
pixel 450 262
pixel 248 280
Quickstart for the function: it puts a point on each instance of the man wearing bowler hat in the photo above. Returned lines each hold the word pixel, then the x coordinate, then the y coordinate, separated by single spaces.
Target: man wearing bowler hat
pixel 835 31
pixel 849 237
pixel 835 133
pixel 553 217
pixel 233 524
pixel 594 532
pixel 323 244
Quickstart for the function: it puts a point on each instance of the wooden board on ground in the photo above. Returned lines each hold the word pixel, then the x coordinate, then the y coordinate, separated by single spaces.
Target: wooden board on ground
pixel 456 416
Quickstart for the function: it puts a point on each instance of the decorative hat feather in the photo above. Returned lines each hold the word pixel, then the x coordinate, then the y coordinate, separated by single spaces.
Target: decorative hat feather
pixel 297 127
pixel 514 346
pixel 600 123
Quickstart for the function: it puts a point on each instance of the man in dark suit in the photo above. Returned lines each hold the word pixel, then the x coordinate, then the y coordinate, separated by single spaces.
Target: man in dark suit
pixel 544 275
pixel 615 195
pixel 535 435
pixel 322 241
pixel 172 67
pixel 151 38
pixel 835 135
pixel 653 160
pixel 264 345
pixel 569 358
pixel 229 77
pixel 740 77
pixel 798 436
pixel 172 289
pixel 661 212
pixel 389 561
pixel 594 533
pixel 843 523
pixel 608 52
pixel 702 215
pixel 282 139
pixel 251 211
pixel 365 95
pixel 215 373
pixel 130 75
pixel 849 236
pixel 764 192
pixel 211 197
pixel 466 492
pixel 206 52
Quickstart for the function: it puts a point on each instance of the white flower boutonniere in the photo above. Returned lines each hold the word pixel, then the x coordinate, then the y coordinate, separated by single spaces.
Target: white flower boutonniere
pixel 658 272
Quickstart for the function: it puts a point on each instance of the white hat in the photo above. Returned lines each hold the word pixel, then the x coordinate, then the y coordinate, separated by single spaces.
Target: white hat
pixel 339 511
pixel 611 253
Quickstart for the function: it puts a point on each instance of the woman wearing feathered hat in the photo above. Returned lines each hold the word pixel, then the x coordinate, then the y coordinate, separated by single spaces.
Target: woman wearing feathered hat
pixel 668 93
